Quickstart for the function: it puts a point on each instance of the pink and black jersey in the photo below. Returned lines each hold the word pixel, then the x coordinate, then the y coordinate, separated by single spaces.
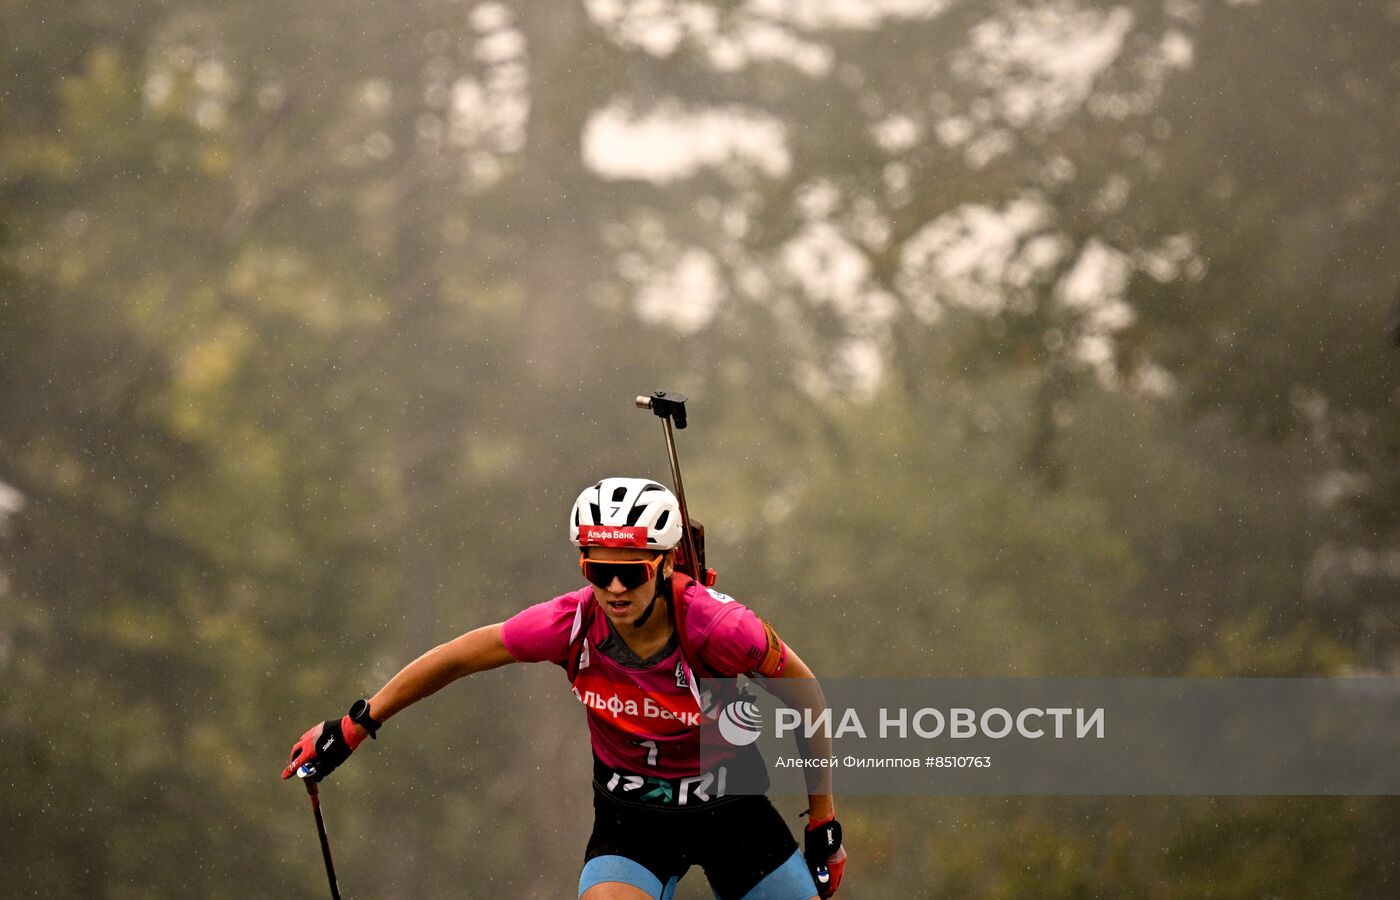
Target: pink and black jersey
pixel 646 720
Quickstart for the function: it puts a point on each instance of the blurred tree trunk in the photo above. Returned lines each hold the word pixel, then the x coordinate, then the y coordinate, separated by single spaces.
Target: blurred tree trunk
pixel 558 223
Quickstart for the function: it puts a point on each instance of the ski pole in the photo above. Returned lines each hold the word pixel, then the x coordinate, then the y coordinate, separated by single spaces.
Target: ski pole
pixel 315 793
pixel 668 406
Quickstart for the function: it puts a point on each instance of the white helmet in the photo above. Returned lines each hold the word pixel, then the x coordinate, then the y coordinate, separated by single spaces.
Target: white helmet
pixel 626 512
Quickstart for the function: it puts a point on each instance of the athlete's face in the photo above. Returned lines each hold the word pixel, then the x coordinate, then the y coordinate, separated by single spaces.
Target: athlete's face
pixel 621 604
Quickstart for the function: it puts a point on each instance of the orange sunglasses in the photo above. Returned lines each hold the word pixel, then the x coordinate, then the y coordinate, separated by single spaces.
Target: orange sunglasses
pixel 631 572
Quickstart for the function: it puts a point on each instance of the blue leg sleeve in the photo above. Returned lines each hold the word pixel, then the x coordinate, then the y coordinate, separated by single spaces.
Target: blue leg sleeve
pixel 619 868
pixel 790 881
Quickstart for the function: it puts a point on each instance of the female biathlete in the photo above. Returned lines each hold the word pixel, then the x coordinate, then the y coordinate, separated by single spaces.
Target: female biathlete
pixel 656 813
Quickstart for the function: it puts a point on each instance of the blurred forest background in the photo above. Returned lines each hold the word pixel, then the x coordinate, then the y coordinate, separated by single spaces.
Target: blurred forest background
pixel 1023 338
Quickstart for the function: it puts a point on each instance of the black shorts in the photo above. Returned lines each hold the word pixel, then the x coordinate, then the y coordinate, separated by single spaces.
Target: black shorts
pixel 736 841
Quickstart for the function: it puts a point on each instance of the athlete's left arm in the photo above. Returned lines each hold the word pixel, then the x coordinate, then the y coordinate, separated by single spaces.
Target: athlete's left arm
pixel 798 688
pixel 823 851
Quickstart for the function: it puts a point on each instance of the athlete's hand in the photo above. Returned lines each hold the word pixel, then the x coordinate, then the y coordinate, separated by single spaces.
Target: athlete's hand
pixel 324 747
pixel 825 856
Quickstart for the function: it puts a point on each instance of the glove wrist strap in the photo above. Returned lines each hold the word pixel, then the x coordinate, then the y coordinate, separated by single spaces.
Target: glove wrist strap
pixel 360 715
pixel 822 840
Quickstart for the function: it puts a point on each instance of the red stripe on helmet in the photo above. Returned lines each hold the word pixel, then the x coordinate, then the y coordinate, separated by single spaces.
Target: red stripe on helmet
pixel 612 535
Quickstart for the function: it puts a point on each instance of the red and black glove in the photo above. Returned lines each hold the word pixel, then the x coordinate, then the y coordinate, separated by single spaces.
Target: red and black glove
pixel 324 747
pixel 825 856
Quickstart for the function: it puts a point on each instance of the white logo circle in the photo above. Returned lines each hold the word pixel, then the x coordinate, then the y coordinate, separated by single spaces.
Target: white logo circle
pixel 741 723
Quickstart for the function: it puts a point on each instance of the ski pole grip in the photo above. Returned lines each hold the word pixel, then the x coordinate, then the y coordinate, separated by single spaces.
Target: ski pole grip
pixel 666 405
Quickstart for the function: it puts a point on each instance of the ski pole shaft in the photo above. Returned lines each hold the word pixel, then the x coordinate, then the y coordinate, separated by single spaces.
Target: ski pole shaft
pixel 315 793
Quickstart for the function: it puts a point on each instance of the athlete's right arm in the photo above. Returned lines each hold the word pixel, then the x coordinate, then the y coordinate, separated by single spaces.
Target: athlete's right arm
pixel 325 746
pixel 475 651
